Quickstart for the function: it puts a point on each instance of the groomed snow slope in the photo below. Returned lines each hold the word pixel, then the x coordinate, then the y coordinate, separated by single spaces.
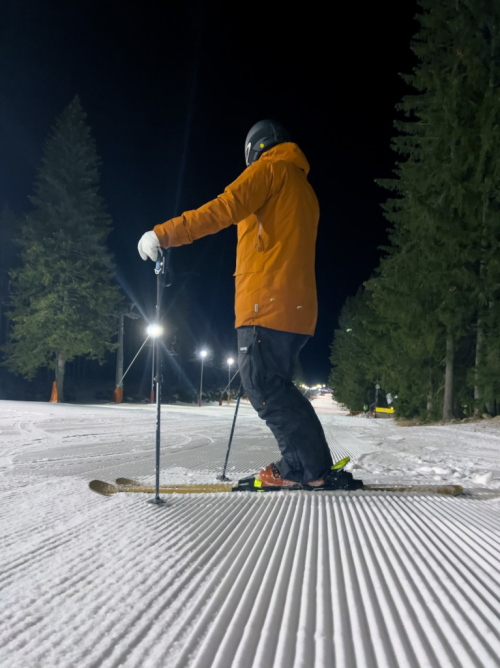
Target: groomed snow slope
pixel 289 579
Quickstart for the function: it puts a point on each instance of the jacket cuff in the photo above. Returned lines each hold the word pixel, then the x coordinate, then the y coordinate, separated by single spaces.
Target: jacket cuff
pixel 173 233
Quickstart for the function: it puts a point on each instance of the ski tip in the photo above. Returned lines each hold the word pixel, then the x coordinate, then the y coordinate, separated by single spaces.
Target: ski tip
pixel 128 481
pixel 101 487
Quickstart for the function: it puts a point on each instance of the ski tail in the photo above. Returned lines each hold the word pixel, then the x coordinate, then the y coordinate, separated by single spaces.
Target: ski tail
pixel 340 464
pixel 450 490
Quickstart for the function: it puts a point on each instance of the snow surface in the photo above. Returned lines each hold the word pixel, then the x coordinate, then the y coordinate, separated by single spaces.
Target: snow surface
pixel 292 579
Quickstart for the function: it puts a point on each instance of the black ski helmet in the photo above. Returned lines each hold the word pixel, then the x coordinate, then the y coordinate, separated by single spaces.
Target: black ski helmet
pixel 263 136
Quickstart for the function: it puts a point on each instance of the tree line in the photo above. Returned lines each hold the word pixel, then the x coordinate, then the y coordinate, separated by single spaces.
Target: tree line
pixel 61 297
pixel 425 326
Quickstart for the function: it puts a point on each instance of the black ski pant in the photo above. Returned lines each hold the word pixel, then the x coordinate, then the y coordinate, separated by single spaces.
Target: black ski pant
pixel 267 359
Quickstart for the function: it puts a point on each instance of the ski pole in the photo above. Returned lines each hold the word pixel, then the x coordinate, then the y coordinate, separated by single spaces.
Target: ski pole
pixel 159 271
pixel 222 476
pixel 229 384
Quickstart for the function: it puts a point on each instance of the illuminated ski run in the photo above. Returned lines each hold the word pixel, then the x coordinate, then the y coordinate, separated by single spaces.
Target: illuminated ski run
pixel 278 580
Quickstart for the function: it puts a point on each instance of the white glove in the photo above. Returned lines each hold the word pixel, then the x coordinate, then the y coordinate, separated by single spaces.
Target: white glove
pixel 149 246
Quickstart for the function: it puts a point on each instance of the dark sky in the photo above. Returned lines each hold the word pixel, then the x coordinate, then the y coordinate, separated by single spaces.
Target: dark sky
pixel 170 91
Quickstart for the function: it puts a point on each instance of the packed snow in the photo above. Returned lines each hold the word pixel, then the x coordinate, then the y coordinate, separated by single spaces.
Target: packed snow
pixel 274 580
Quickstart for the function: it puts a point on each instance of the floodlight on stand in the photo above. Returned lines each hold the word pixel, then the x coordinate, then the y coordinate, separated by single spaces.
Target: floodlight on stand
pixel 203 354
pixel 230 361
pixel 154 330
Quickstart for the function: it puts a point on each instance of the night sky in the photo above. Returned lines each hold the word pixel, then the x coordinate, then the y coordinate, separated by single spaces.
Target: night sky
pixel 171 90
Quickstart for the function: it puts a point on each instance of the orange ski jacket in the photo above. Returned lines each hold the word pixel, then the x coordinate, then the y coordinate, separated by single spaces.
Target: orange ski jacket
pixel 277 214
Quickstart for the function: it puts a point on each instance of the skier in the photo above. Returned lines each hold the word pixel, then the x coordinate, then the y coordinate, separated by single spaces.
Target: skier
pixel 277 213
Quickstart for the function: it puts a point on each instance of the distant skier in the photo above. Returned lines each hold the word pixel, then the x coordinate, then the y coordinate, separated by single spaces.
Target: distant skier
pixel 277 214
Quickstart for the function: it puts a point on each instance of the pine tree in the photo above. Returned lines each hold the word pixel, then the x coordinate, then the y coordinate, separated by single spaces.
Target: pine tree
pixel 355 354
pixel 441 272
pixel 8 225
pixel 410 359
pixel 483 196
pixel 63 292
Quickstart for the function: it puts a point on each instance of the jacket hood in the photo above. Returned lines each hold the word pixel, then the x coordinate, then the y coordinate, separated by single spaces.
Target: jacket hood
pixel 288 152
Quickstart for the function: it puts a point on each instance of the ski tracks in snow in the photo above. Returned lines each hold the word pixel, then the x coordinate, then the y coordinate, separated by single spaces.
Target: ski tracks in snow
pixel 286 580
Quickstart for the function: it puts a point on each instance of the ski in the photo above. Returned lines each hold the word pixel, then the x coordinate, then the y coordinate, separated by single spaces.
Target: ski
pixel 337 480
pixel 252 484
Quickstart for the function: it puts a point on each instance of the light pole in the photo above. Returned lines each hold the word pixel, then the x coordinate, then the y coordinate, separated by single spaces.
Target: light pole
pixel 154 331
pixel 203 354
pixel 121 315
pixel 229 362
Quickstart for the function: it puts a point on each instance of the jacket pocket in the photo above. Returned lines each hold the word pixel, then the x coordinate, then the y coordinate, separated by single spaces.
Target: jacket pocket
pixel 249 358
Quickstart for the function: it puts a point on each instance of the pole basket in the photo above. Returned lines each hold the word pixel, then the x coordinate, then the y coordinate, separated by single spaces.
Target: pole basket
pixel 118 395
pixel 54 397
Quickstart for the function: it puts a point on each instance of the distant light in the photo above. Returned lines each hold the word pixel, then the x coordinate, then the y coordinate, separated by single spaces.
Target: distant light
pixel 348 330
pixel 230 361
pixel 203 353
pixel 155 330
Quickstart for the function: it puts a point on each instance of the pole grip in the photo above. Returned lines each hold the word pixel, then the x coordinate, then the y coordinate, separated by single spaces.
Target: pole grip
pixel 159 262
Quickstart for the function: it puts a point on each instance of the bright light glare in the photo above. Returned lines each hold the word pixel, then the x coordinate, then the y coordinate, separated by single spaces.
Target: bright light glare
pixel 155 330
pixel 203 353
pixel 230 361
